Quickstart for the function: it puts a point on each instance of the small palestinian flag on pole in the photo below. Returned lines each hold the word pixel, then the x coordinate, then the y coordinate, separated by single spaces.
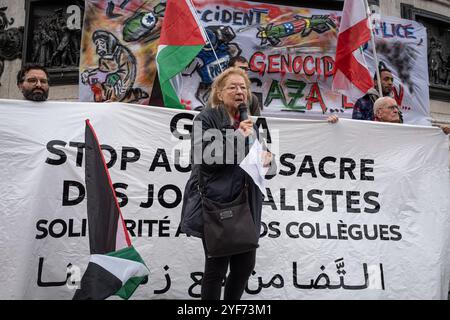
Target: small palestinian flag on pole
pixel 115 267
pixel 182 37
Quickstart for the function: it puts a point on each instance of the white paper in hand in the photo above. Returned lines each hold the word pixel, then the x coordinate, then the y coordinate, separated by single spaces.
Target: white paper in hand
pixel 253 165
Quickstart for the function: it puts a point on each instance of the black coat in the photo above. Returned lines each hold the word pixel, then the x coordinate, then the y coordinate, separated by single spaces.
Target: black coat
pixel 222 182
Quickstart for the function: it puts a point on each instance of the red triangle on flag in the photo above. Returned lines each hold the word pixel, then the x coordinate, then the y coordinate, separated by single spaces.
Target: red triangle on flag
pixel 180 27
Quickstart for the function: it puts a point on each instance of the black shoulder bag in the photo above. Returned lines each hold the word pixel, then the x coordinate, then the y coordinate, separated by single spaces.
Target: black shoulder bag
pixel 228 228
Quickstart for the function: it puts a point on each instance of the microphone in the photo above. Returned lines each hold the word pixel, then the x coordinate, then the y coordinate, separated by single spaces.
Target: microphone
pixel 243 112
pixel 243 115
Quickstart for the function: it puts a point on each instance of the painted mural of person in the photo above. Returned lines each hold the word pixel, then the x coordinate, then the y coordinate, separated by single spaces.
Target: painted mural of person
pixel 207 65
pixel 114 78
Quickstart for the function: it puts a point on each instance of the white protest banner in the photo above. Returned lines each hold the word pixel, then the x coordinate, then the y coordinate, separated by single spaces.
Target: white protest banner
pixel 357 210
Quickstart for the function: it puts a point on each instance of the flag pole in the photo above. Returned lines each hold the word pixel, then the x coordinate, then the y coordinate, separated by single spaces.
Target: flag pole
pixel 206 35
pixel 372 39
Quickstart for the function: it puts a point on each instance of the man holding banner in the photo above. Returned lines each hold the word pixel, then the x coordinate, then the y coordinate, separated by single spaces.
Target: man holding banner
pixel 385 109
pixel 364 106
pixel 32 80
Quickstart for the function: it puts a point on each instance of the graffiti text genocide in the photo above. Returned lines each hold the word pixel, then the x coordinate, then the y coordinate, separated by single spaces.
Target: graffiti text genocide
pixel 286 63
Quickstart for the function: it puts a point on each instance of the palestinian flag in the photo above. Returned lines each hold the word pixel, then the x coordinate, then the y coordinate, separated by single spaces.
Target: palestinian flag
pixel 181 39
pixel 115 267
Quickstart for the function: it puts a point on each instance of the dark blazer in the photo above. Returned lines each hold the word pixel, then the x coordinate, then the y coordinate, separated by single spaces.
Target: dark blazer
pixel 222 182
pixel 254 107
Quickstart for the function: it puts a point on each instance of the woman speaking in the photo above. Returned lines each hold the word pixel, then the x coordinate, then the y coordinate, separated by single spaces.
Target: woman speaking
pixel 220 193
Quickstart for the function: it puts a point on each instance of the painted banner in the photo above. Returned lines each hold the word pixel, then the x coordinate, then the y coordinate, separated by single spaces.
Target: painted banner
pixel 291 52
pixel 118 50
pixel 402 46
pixel 357 210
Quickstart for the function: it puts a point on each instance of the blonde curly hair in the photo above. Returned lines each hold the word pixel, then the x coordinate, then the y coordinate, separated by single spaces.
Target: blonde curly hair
pixel 219 84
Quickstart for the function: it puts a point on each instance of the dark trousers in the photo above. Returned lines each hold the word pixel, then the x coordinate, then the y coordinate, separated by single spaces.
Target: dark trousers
pixel 241 266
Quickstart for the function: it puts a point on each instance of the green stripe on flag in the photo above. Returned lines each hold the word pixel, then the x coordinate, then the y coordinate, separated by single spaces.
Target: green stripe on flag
pixel 170 97
pixel 128 288
pixel 172 60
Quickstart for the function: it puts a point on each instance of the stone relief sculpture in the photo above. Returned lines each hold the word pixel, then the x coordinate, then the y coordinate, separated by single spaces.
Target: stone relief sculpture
pixel 438 48
pixel 10 40
pixel 54 44
pixel 438 60
pixel 435 61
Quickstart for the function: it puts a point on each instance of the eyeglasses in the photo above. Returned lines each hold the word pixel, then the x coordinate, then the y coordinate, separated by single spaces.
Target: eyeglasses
pixel 392 108
pixel 34 81
pixel 235 88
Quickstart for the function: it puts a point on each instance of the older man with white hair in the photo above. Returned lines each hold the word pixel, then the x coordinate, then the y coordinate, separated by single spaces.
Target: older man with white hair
pixel 386 109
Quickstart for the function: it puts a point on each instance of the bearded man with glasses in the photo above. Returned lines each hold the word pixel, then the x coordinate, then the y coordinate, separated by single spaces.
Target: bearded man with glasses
pixel 32 80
